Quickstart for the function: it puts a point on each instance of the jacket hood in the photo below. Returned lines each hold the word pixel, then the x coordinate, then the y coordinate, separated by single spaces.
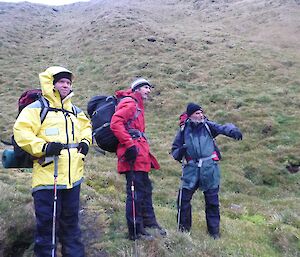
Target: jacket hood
pixel 48 91
pixel 128 92
pixel 122 93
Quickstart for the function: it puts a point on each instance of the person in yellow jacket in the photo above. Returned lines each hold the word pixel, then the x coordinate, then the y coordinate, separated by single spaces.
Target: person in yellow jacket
pixel 65 132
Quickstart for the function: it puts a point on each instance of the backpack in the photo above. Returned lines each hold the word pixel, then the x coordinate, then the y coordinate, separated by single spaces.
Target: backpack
pixel 183 119
pixel 20 158
pixel 28 97
pixel 101 109
pixel 31 96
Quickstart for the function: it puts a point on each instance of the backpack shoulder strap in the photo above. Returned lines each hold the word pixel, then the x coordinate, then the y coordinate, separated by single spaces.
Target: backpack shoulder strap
pixel 138 110
pixel 137 113
pixel 75 110
pixel 215 142
pixel 44 108
pixel 182 129
pixel 209 131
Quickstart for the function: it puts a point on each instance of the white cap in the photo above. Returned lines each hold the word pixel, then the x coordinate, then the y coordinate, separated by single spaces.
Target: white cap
pixel 139 83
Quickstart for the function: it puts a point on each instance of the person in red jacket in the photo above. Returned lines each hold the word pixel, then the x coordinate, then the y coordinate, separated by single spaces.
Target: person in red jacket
pixel 135 159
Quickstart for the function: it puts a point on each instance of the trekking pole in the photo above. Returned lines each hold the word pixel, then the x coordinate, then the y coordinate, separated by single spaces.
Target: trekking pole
pixel 54 204
pixel 133 210
pixel 180 196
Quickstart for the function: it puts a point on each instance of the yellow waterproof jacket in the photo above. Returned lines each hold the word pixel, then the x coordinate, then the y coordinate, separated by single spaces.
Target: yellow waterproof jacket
pixel 70 126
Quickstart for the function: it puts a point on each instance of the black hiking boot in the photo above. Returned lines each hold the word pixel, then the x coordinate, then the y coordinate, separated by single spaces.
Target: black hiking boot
pixel 215 236
pixel 214 232
pixel 161 231
pixel 141 236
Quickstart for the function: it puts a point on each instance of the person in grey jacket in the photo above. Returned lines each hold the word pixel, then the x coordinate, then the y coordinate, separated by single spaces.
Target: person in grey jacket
pixel 195 143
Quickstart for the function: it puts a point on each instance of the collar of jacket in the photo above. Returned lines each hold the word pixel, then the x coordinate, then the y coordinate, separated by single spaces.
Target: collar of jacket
pixel 194 125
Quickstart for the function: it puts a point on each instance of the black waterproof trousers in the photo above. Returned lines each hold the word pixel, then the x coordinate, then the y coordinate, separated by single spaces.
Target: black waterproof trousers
pixel 144 212
pixel 67 228
pixel 212 210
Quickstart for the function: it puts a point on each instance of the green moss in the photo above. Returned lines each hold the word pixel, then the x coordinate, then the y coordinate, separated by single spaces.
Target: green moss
pixel 256 219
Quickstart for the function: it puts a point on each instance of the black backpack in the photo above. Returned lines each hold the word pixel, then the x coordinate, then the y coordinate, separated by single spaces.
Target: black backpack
pixel 101 110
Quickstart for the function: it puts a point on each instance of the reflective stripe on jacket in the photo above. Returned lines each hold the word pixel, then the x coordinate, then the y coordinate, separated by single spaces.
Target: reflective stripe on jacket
pixel 125 112
pixel 63 127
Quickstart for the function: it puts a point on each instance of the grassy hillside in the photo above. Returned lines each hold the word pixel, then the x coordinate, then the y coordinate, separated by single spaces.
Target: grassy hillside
pixel 239 59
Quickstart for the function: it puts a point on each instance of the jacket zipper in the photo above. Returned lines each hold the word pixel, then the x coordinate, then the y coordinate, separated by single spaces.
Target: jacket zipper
pixel 73 132
pixel 65 115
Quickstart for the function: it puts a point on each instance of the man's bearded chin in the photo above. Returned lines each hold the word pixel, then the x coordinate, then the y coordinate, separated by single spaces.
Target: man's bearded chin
pixel 197 121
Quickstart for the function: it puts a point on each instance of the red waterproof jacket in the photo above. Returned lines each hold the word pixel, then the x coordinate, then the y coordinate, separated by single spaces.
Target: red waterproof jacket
pixel 126 116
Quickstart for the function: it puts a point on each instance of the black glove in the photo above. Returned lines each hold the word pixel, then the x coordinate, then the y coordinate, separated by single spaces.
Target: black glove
pixel 53 148
pixel 83 148
pixel 236 134
pixel 131 154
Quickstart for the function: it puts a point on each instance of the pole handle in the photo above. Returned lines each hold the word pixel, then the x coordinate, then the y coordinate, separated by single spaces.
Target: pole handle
pixel 55 166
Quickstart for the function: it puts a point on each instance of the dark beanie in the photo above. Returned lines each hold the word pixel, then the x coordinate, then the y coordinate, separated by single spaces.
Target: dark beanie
pixel 62 75
pixel 191 108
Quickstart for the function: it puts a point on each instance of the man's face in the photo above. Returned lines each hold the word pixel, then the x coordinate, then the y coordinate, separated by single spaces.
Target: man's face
pixel 197 116
pixel 144 91
pixel 64 87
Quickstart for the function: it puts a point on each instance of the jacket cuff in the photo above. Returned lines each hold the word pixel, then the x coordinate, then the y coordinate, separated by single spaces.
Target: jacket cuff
pixel 85 141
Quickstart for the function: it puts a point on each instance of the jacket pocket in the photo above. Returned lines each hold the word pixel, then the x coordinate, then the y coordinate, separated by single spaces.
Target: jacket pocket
pixel 190 178
pixel 78 169
pixel 209 175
